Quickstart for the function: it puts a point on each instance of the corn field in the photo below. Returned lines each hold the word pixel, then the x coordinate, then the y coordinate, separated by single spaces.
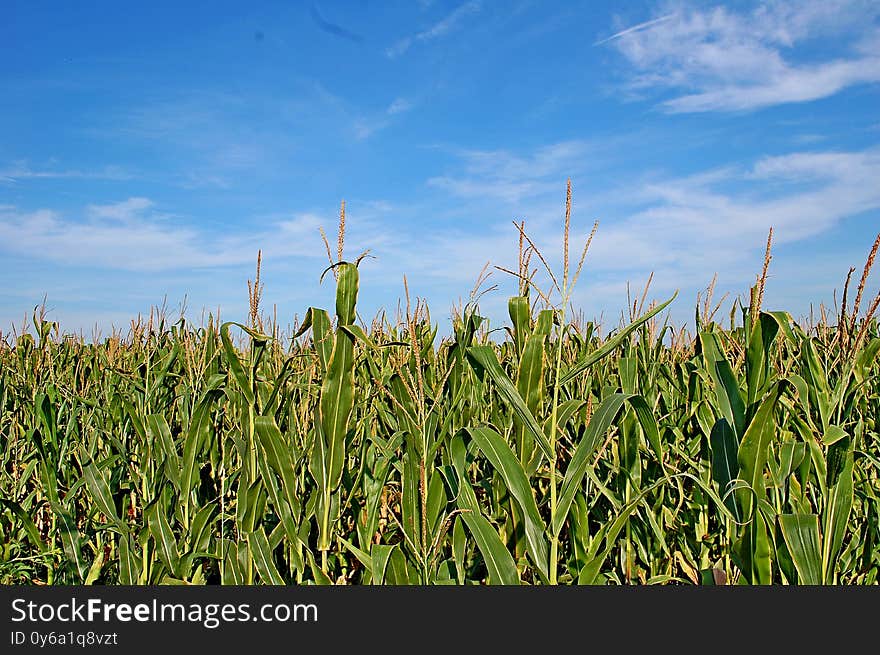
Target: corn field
pixel 746 453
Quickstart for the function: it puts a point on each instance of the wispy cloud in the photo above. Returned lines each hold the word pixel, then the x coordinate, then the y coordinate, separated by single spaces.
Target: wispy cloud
pixel 200 135
pixel 805 139
pixel 133 236
pixel 636 28
pixel 366 126
pixel 23 171
pixel 513 178
pixel 692 227
pixel 438 29
pixel 683 228
pixel 399 106
pixel 127 210
pixel 721 59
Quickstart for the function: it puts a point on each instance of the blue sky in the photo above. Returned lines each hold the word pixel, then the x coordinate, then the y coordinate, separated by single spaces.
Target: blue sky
pixel 147 151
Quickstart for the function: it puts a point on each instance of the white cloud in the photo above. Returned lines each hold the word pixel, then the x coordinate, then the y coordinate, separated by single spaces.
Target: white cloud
pixel 129 236
pixel 21 170
pixel 399 106
pixel 721 59
pixel 438 29
pixel 693 227
pixel 364 128
pixel 684 229
pixel 636 28
pixel 126 210
pixel 201 138
pixel 511 178
pixel 806 139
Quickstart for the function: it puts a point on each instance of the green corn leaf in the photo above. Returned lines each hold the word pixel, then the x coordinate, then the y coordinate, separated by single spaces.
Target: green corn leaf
pixel 801 534
pixel 322 335
pixel 164 368
pixel 611 344
pixel 727 392
pixel 129 564
pixel 279 456
pixel 566 411
pixel 201 528
pixel 320 578
pixel 337 390
pixel 505 462
pixel 833 434
pixel 485 361
pixel 836 457
pixel 259 546
pixel 398 571
pixel 288 525
pixel 101 494
pixel 865 360
pixel 409 502
pixel 380 554
pixel 26 522
pixel 68 533
pixel 760 550
pixel 817 382
pixel 197 434
pixel 725 467
pixel 753 449
pixel 600 423
pixel 838 505
pixel 459 549
pixel 363 557
pixel 159 432
pixel 759 352
pixel 232 571
pixel 608 534
pixel 235 366
pixel 346 293
pixel 166 544
pixel 357 332
pixel 95 569
pixel 498 560
pixel 530 386
pixel 436 502
pixel 135 419
pixel 337 400
pixel 520 312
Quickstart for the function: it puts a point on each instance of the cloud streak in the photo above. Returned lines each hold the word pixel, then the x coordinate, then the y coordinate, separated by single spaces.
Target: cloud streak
pixel 693 227
pixel 636 28
pixel 683 228
pixel 720 59
pixel 366 126
pixel 399 106
pixel 437 30
pixel 132 236
pixel 22 171
pixel 513 178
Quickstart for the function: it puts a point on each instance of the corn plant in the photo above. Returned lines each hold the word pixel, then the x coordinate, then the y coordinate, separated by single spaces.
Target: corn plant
pixel 339 452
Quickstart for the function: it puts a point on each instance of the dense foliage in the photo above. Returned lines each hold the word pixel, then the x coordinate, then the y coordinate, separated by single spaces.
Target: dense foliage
pixel 384 455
